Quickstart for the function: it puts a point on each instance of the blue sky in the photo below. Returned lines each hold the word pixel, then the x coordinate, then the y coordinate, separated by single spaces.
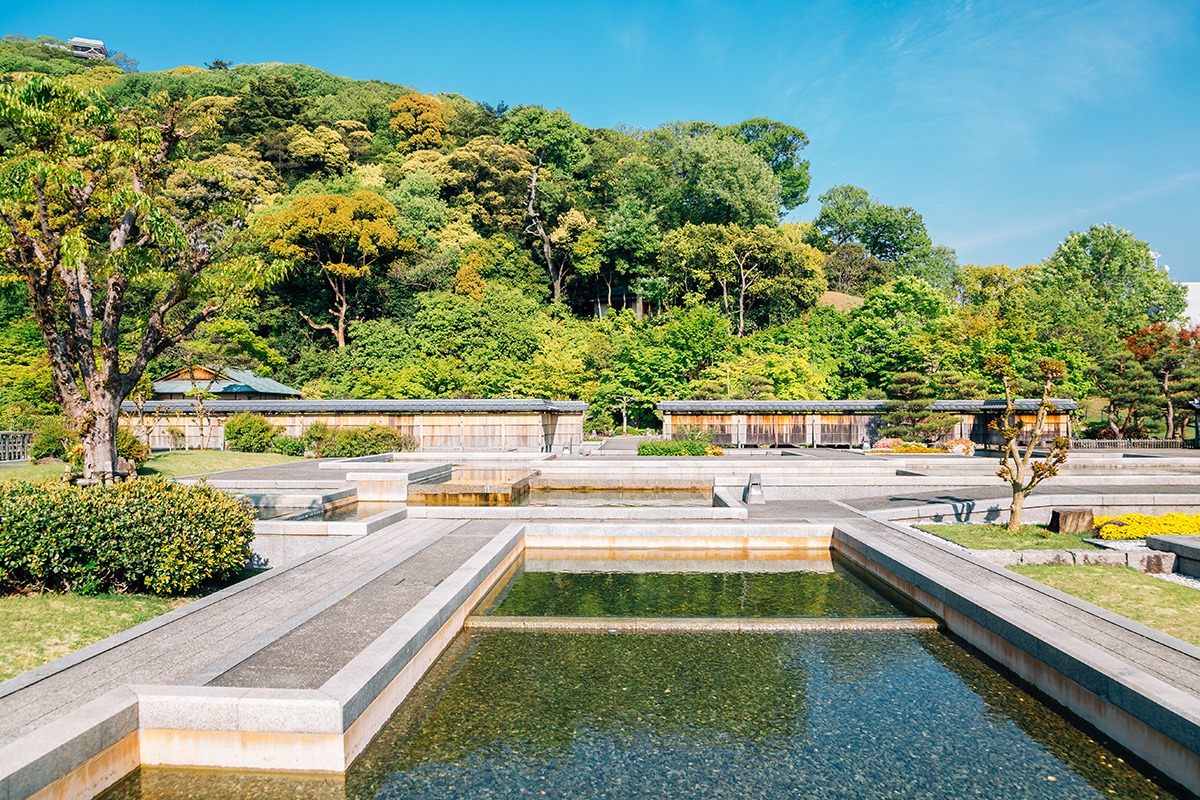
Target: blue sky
pixel 1006 124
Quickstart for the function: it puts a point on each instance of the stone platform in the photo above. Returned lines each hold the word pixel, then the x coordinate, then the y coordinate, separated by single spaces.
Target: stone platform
pixel 299 666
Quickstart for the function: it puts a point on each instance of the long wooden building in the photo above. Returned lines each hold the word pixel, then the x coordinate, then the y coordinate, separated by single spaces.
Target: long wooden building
pixel 522 425
pixel 839 423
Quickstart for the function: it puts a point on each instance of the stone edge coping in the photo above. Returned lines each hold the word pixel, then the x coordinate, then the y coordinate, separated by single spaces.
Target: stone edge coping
pixel 365 677
pixel 1186 546
pixel 280 484
pixel 291 499
pixel 699 624
pixel 320 527
pixel 475 457
pixel 1140 560
pixel 1124 684
pixel 38 674
pixel 33 762
pixel 581 513
pixel 918 513
pixel 420 541
pixel 607 528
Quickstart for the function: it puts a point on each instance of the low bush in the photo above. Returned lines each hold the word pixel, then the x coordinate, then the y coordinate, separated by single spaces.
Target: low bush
pixel 287 446
pixel 52 438
pixel 129 447
pixel 901 446
pixel 687 442
pixel 249 433
pixel 132 448
pixel 326 442
pixel 141 535
pixel 1139 526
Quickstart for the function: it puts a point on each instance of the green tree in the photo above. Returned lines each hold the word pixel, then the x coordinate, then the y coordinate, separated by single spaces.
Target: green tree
pixel 419 121
pixel 1109 271
pixel 343 236
pixel 554 139
pixel 1169 355
pixel 88 230
pixel 848 214
pixel 779 145
pixel 898 329
pixel 743 265
pixel 908 415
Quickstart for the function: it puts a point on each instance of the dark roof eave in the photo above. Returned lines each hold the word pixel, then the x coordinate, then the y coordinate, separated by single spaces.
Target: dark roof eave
pixel 1024 405
pixel 480 406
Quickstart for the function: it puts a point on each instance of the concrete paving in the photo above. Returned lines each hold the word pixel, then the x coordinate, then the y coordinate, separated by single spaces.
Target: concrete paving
pixel 314 651
pixel 306 626
pixel 219 626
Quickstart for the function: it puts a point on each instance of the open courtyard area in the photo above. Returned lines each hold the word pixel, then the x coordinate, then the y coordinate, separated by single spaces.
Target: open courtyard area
pixel 600 401
pixel 391 585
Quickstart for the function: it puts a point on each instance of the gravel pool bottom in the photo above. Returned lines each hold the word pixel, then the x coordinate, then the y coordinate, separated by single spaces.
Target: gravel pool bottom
pixel 858 716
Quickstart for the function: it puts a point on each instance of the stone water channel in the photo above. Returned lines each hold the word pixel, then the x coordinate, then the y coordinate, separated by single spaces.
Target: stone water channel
pixel 643 633
pixel 588 713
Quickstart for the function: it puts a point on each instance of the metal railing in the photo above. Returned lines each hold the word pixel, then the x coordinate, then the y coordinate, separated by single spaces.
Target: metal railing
pixel 14 445
pixel 1132 444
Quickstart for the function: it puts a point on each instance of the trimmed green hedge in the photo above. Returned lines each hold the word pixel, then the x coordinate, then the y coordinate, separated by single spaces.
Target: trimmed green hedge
pixel 326 442
pixel 672 447
pixel 249 432
pixel 147 534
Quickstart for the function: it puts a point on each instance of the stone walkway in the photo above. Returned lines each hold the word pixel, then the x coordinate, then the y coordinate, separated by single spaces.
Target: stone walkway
pixel 283 611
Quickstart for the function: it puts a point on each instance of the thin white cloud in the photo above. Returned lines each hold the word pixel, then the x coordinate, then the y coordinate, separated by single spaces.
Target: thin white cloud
pixel 1060 221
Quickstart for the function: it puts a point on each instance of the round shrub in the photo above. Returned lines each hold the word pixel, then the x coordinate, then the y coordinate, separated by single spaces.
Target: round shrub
pixel 326 442
pixel 250 433
pixel 287 446
pixel 147 534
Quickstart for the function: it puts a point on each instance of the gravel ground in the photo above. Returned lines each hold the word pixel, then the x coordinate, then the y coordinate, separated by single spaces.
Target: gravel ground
pixel 1182 580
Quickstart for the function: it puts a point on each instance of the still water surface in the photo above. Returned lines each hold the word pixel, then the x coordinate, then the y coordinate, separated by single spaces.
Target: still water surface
pixel 846 716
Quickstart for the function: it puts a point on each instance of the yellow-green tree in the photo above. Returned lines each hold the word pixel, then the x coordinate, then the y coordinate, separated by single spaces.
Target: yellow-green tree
pixel 115 272
pixel 420 121
pixel 342 236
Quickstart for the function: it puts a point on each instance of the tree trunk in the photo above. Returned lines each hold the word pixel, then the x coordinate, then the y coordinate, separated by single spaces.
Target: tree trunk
pixel 99 437
pixel 1014 514
pixel 742 288
pixel 537 229
pixel 1170 409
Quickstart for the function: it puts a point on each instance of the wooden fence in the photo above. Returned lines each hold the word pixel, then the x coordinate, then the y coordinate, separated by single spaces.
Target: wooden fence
pixel 14 445
pixel 1132 444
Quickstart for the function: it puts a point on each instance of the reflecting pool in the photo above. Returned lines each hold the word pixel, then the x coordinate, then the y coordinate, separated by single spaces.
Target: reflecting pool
pixel 853 716
pixel 835 592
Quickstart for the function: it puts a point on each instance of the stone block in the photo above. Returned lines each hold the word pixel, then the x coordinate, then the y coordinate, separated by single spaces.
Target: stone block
pixel 1152 562
pixel 1047 557
pixel 1074 520
pixel 1001 558
pixel 1108 558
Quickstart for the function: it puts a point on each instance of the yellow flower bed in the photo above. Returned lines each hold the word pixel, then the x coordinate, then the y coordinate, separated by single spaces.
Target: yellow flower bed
pixel 1139 526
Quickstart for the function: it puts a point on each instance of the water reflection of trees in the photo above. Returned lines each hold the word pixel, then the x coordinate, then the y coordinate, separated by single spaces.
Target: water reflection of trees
pixel 781 594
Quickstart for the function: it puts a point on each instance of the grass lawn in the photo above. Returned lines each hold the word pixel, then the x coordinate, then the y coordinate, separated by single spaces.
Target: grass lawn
pixel 174 464
pixel 996 537
pixel 178 463
pixel 1156 603
pixel 35 629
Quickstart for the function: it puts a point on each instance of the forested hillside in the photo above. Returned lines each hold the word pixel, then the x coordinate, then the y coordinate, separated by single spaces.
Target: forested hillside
pixel 440 246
